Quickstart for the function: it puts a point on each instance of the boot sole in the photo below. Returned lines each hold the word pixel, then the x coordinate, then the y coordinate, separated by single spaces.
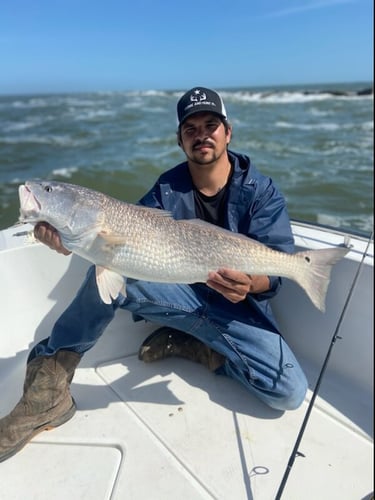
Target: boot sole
pixel 45 427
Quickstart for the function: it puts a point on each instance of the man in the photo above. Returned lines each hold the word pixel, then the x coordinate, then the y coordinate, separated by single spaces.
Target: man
pixel 225 324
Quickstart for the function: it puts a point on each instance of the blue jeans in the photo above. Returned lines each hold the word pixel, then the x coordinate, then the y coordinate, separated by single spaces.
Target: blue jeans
pixel 259 359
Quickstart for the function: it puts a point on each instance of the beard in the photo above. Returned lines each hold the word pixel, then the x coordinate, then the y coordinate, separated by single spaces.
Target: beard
pixel 207 157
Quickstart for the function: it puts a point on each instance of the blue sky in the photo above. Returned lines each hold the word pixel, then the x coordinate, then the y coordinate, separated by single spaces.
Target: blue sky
pixel 89 45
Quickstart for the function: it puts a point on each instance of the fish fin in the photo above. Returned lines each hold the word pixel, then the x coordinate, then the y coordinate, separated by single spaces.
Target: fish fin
pixel 316 278
pixel 110 284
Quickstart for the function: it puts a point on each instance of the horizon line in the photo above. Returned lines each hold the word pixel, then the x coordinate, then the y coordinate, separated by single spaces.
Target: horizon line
pixel 368 83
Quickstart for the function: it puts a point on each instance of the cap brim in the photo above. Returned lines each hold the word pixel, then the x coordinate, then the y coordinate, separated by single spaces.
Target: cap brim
pixel 195 111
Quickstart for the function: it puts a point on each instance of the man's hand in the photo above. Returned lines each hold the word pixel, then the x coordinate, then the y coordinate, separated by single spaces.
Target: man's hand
pixel 48 235
pixel 235 285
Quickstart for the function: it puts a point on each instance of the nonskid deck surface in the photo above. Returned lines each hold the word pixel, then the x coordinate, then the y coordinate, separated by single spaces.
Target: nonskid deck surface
pixel 172 429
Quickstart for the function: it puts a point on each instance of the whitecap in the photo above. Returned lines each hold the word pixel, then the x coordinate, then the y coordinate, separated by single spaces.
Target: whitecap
pixel 154 109
pixel 138 103
pixel 29 122
pixel 82 102
pixel 58 140
pixel 93 115
pixel 319 112
pixel 310 126
pixel 363 223
pixel 147 93
pixel 368 126
pixel 31 103
pixel 285 97
pixel 65 171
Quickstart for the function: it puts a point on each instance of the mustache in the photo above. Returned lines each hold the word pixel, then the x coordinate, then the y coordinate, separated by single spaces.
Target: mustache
pixel 198 143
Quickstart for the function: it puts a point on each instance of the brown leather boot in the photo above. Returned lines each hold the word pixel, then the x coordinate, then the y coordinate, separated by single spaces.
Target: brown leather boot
pixel 166 342
pixel 46 402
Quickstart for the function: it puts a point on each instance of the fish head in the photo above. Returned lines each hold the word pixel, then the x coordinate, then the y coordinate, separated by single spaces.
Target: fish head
pixel 72 210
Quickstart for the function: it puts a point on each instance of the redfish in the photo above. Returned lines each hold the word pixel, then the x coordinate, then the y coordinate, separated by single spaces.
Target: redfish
pixel 132 241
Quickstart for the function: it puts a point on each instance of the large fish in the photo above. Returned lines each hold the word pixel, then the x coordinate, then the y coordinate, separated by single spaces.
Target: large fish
pixel 126 240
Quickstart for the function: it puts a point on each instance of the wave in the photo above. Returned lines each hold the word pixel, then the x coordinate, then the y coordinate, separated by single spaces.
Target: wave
pixel 66 172
pixel 121 141
pixel 366 126
pixel 29 122
pixel 94 115
pixel 52 100
pixel 247 95
pixel 364 224
pixel 147 93
pixel 289 97
pixel 137 97
pixel 309 126
pixel 31 103
pixel 56 140
pixel 319 112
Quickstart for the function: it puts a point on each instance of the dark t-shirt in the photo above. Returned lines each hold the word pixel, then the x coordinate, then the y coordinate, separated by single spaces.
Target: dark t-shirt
pixel 211 208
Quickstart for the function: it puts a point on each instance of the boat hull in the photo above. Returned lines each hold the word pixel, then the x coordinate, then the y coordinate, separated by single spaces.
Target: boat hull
pixel 172 429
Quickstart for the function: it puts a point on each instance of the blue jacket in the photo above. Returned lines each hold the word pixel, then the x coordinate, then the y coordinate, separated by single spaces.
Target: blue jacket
pixel 255 208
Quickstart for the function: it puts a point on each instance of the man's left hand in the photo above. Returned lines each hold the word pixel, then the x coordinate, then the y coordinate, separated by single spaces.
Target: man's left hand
pixel 235 285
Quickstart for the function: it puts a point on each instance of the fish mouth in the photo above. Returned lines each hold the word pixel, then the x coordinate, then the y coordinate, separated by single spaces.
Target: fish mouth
pixel 29 205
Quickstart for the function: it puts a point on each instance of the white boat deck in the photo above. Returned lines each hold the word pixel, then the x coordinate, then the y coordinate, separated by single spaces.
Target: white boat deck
pixel 173 430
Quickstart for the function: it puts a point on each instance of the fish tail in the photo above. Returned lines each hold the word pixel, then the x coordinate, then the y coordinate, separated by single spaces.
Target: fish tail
pixel 316 273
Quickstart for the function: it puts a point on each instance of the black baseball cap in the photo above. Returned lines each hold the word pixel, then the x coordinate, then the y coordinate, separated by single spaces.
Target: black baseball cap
pixel 200 99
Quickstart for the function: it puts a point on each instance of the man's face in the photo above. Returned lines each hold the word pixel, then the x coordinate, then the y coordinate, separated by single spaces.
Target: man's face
pixel 204 138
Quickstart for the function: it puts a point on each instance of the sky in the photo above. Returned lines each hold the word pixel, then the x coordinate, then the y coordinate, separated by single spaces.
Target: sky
pixel 49 46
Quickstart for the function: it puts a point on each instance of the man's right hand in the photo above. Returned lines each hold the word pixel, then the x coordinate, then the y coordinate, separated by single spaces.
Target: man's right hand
pixel 48 235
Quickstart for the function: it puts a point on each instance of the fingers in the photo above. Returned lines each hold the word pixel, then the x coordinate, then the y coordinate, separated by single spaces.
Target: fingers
pixel 48 235
pixel 233 285
pixel 231 276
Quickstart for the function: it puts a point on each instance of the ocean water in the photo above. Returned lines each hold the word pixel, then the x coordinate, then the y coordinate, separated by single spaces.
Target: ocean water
pixel 316 142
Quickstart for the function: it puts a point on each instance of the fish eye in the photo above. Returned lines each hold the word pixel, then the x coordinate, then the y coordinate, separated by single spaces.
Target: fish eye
pixel 48 188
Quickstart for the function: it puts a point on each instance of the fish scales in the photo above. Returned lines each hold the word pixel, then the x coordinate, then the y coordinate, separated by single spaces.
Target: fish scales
pixel 179 253
pixel 126 240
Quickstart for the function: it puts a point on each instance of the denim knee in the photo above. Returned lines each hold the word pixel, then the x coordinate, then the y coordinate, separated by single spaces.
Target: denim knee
pixel 288 392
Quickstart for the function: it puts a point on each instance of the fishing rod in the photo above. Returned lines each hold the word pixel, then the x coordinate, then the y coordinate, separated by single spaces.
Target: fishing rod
pixel 335 336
